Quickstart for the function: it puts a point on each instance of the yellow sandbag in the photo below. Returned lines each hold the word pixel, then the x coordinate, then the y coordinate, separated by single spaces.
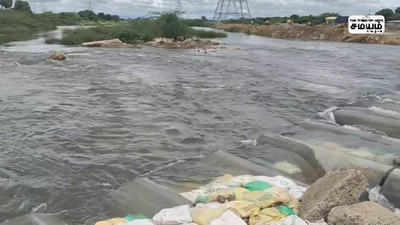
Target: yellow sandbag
pixel 294 204
pixel 268 198
pixel 226 179
pixel 244 208
pixel 267 216
pixel 114 221
pixel 227 195
pixel 203 216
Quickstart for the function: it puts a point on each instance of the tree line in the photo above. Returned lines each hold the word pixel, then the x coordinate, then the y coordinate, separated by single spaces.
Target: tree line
pixel 24 6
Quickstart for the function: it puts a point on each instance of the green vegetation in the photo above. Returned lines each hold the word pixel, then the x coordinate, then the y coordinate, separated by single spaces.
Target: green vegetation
pixel 22 6
pixel 136 31
pixel 16 25
pixel 6 3
pixel 389 14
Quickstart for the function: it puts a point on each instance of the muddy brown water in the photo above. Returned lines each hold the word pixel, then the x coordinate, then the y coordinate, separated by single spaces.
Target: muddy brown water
pixel 72 131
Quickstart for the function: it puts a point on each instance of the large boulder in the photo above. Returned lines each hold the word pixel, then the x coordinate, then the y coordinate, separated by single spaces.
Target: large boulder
pixel 337 188
pixel 365 213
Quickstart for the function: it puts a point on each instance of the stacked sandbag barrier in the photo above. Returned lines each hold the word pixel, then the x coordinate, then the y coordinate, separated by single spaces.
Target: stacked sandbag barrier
pixel 334 199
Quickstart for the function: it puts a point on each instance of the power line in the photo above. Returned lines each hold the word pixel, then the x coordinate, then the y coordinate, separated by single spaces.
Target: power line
pixel 232 9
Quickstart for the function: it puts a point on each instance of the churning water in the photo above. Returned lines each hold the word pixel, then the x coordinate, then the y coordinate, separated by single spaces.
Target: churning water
pixel 72 131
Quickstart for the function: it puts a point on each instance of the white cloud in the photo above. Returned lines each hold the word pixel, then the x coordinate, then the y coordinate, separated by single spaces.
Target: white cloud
pixel 197 8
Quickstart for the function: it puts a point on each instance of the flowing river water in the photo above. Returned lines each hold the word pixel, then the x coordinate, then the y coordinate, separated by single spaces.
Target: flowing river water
pixel 72 131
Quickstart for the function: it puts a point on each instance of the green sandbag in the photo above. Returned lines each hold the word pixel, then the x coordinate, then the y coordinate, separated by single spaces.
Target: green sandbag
pixel 135 217
pixel 284 209
pixel 258 186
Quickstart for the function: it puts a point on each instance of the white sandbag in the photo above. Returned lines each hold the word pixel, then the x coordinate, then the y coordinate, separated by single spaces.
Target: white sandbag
pixel 295 220
pixel 291 220
pixel 295 190
pixel 228 218
pixel 173 216
pixel 141 222
pixel 211 205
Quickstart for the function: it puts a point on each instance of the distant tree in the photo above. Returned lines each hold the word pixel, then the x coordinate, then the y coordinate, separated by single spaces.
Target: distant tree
pixel 115 18
pixel 203 18
pixel 6 3
pixel 397 10
pixel 22 6
pixel 101 15
pixel 294 17
pixel 88 14
pixel 387 13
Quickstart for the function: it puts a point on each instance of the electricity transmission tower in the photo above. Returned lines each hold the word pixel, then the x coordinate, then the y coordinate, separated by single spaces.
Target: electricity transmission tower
pixel 232 9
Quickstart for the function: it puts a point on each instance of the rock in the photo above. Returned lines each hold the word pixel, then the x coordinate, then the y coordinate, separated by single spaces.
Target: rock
pixel 365 213
pixel 58 56
pixel 113 43
pixel 337 188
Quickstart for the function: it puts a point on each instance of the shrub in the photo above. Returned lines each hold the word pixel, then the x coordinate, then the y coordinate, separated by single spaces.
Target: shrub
pixel 172 26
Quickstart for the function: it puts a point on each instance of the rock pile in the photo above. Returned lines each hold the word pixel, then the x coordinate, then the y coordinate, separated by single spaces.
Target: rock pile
pixel 182 44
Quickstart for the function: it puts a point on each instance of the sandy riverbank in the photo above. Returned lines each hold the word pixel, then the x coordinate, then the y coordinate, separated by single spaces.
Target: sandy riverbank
pixel 318 32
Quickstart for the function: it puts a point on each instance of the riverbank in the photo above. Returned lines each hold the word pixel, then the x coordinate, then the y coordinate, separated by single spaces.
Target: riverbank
pixel 317 32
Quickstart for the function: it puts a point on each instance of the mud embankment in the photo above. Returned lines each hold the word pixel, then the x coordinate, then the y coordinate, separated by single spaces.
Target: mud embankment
pixel 318 32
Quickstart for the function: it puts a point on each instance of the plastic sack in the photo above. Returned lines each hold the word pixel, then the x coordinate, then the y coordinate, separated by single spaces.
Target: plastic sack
pixel 267 216
pixel 222 195
pixel 257 185
pixel 291 220
pixel 114 221
pixel 173 216
pixel 295 190
pixel 140 222
pixel 267 198
pixel 228 218
pixel 203 215
pixel 244 208
pixel 375 195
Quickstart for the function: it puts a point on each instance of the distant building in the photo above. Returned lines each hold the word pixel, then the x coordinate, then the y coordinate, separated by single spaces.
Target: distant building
pixel 342 20
pixel 330 20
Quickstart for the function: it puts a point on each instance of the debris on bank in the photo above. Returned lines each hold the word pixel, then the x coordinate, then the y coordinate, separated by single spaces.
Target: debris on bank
pixel 182 44
pixel 262 200
pixel 113 43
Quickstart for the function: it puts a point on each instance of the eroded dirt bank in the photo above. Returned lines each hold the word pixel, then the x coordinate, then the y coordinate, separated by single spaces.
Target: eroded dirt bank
pixel 318 32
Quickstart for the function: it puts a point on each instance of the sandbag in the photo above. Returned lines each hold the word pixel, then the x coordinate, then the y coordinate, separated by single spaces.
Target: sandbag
pixel 267 198
pixel 244 208
pixel 140 222
pixel 267 216
pixel 113 221
pixel 257 185
pixel 203 216
pixel 294 189
pixel 173 216
pixel 228 218
pixel 291 220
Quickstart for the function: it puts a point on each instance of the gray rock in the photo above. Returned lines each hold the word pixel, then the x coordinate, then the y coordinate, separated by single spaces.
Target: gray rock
pixel 337 188
pixel 365 213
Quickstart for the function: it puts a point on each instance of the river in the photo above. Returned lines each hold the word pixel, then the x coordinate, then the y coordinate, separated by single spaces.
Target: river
pixel 72 131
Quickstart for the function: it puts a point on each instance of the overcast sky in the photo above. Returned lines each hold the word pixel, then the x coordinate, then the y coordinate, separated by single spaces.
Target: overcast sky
pixel 197 8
